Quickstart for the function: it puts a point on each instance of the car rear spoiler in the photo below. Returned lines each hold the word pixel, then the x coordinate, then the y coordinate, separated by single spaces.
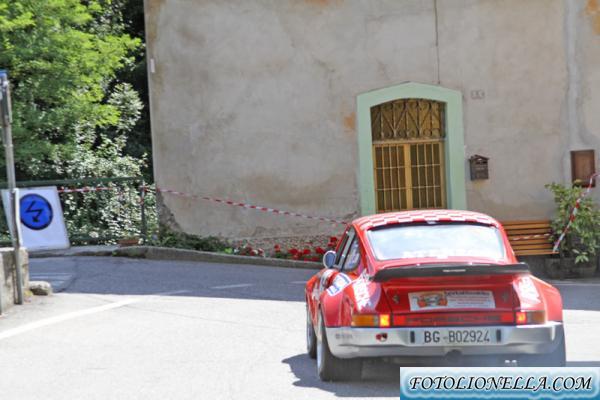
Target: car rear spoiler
pixel 426 270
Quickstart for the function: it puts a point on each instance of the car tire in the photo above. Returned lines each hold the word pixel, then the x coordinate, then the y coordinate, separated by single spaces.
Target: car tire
pixel 311 337
pixel 556 358
pixel 331 368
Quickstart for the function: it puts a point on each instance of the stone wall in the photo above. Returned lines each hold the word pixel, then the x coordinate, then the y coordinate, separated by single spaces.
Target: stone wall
pixel 8 292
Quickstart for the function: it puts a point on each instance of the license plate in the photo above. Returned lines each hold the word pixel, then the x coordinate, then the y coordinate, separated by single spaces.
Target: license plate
pixel 455 336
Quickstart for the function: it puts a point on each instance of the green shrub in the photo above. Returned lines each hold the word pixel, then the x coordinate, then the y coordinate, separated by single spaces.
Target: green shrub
pixel 169 238
pixel 582 240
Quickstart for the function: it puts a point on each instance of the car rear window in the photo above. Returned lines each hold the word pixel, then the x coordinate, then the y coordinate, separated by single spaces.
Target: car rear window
pixel 436 241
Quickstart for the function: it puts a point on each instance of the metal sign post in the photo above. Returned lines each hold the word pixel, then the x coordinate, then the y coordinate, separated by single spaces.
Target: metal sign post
pixel 10 175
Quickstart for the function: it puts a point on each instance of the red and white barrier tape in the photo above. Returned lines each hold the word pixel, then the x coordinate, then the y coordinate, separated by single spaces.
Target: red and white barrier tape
pixel 294 214
pixel 95 189
pixel 517 238
pixel 250 206
pixel 574 213
pixel 86 189
pixel 213 199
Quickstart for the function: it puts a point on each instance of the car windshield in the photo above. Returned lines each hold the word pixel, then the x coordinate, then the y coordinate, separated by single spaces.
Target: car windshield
pixel 436 241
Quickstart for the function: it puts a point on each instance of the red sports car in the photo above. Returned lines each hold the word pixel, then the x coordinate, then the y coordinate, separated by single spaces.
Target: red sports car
pixel 434 283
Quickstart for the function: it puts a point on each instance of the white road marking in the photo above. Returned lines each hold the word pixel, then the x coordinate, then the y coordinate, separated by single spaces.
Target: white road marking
pixel 239 285
pixel 76 314
pixel 48 278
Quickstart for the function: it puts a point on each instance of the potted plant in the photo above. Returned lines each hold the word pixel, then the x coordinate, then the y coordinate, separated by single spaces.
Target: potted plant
pixel 577 253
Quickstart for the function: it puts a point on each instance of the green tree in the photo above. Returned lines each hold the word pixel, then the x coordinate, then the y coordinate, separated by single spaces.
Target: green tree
pixel 63 57
pixel 74 67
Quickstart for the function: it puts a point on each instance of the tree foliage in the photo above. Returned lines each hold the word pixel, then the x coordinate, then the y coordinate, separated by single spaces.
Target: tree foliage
pixel 76 68
pixel 63 57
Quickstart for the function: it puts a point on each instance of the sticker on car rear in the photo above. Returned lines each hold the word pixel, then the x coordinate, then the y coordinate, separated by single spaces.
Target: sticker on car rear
pixel 339 283
pixel 366 294
pixel 451 299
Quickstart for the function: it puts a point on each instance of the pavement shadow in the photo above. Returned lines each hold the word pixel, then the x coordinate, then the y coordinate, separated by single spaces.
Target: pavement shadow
pixel 379 379
pixel 127 276
pixel 583 363
pixel 583 296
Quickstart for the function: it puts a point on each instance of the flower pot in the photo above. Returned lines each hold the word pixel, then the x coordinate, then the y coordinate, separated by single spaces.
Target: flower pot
pixel 558 268
pixel 561 268
pixel 585 270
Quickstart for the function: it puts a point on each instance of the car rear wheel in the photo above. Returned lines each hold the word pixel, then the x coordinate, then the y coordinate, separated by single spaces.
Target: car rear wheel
pixel 557 358
pixel 331 368
pixel 311 337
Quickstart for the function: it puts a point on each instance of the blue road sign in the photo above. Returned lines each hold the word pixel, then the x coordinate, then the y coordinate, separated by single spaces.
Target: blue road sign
pixel 36 212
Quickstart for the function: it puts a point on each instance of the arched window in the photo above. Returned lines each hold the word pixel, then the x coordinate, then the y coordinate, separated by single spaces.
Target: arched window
pixel 408 154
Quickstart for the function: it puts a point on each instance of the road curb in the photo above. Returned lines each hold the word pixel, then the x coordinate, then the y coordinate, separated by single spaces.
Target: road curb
pixel 173 254
pixel 167 253
pixel 76 251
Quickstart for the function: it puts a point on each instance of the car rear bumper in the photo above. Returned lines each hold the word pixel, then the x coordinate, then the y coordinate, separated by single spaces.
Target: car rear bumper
pixel 348 342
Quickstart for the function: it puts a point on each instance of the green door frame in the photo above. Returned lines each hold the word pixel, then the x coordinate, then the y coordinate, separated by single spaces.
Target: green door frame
pixel 454 143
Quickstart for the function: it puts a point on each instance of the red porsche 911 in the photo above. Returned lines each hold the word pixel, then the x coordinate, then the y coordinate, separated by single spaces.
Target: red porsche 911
pixel 427 285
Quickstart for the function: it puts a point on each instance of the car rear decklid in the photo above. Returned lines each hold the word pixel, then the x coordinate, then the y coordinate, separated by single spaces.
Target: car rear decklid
pixel 450 294
pixel 437 270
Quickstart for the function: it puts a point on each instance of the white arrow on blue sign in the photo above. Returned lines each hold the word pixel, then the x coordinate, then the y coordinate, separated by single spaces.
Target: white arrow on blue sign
pixel 40 213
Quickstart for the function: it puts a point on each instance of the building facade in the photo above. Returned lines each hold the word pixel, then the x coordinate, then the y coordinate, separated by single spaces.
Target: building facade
pixel 341 108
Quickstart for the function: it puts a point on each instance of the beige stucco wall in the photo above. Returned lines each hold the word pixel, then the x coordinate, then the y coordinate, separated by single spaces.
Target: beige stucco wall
pixel 514 52
pixel 254 100
pixel 585 18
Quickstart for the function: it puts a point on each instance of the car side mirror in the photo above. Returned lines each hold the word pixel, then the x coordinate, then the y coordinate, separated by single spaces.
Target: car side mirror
pixel 329 259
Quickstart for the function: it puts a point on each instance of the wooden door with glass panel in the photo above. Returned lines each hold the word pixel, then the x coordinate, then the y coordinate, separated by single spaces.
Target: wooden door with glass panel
pixel 408 154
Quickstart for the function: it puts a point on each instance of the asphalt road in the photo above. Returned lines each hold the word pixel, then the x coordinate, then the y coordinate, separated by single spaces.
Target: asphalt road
pixel 138 329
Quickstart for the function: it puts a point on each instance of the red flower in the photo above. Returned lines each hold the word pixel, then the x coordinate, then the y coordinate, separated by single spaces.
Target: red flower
pixel 306 251
pixel 333 239
pixel 277 247
pixel 315 259
pixel 319 250
pixel 293 251
pixel 296 256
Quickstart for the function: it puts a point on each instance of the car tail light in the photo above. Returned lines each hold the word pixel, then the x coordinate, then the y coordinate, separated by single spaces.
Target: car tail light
pixel 384 320
pixel 374 320
pixel 530 317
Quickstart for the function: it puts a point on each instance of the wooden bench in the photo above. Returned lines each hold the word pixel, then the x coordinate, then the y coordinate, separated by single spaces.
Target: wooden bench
pixel 529 238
